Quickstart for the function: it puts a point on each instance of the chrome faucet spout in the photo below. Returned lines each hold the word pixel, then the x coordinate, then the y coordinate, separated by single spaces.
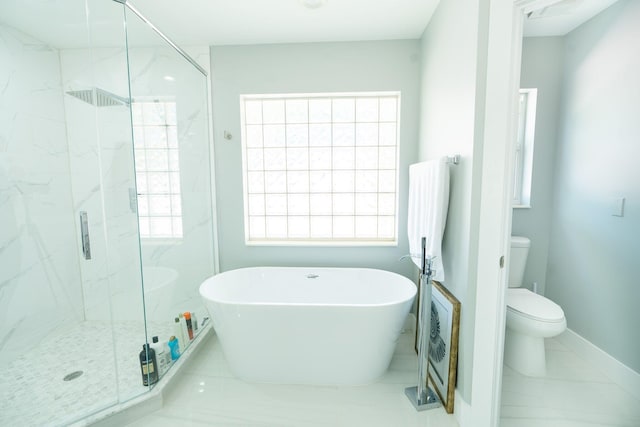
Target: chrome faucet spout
pixel 408 256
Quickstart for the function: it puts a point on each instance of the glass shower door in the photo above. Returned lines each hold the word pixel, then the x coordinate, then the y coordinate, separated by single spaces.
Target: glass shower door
pixel 173 174
pixel 69 336
pixel 104 180
pixel 85 212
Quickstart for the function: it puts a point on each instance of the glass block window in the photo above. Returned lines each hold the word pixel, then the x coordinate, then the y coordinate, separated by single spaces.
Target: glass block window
pixel 321 168
pixel 157 169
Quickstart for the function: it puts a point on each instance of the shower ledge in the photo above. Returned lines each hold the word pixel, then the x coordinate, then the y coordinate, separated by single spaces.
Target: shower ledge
pixel 148 402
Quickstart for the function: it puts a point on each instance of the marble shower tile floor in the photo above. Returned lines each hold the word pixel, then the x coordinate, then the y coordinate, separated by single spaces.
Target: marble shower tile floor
pixel 32 389
pixel 572 394
pixel 206 394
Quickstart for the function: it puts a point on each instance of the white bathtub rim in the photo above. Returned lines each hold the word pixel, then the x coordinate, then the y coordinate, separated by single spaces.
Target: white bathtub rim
pixel 412 290
pixel 304 304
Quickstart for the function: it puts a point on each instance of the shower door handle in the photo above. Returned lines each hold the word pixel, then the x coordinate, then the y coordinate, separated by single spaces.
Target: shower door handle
pixel 84 234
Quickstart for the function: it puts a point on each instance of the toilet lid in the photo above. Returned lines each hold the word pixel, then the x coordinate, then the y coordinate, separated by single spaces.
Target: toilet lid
pixel 534 306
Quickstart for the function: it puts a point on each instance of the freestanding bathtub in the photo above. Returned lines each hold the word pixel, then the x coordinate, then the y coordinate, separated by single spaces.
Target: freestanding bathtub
pixel 293 325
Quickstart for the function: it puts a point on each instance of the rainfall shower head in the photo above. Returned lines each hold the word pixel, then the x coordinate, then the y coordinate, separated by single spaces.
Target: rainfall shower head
pixel 99 97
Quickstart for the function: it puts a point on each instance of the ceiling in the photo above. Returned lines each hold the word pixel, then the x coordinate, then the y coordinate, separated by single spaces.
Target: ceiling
pixel 227 22
pixel 62 23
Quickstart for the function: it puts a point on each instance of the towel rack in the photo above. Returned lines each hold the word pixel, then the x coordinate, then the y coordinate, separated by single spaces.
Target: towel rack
pixel 422 396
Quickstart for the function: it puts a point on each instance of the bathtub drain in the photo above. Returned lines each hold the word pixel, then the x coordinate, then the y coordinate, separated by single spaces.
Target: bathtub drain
pixel 72 376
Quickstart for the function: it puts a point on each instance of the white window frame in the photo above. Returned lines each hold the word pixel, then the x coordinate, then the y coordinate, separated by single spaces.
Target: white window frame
pixel 523 169
pixel 170 172
pixel 385 213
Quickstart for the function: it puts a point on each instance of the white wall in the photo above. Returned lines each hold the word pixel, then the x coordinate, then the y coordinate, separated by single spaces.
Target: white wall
pixel 447 124
pixel 40 287
pixel 467 89
pixel 542 68
pixel 593 256
pixel 318 67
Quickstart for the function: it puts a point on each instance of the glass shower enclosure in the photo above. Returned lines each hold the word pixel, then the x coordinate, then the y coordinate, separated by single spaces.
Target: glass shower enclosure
pixel 106 224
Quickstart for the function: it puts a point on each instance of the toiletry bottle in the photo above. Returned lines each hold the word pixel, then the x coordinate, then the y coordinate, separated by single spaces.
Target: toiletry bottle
pixel 194 322
pixel 167 354
pixel 185 332
pixel 175 348
pixel 161 359
pixel 148 365
pixel 167 350
pixel 187 318
pixel 177 332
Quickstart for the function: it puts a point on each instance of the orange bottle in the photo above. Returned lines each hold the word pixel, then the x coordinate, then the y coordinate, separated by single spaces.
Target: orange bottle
pixel 187 317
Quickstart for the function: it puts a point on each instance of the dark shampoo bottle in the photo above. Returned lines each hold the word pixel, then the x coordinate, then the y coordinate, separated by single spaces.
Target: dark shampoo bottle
pixel 148 365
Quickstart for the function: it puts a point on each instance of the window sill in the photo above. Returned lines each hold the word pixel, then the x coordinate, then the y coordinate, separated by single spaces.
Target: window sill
pixel 521 206
pixel 320 243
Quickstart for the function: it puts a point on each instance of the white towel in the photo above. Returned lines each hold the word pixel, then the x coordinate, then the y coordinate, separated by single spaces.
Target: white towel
pixel 427 213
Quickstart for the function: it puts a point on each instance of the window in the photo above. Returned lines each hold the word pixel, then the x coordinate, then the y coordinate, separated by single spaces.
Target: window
pixel 157 169
pixel 321 168
pixel 524 148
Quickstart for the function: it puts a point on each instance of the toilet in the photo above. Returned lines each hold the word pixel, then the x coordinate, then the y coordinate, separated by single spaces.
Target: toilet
pixel 530 318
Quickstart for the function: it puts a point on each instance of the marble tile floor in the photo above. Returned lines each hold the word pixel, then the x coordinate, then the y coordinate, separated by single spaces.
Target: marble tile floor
pixel 205 393
pixel 32 388
pixel 572 394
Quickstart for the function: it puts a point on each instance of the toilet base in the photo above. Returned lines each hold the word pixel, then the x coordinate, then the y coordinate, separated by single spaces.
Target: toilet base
pixel 525 354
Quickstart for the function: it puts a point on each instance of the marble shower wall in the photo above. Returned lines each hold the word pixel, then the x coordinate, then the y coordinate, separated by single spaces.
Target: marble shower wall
pixel 60 155
pixel 40 281
pixel 115 272
pixel 192 256
pixel 101 163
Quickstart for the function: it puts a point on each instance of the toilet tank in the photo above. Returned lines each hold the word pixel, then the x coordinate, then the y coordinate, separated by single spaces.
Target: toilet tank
pixel 519 252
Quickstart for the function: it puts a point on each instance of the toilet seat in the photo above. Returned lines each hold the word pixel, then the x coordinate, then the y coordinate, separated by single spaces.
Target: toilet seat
pixel 525 303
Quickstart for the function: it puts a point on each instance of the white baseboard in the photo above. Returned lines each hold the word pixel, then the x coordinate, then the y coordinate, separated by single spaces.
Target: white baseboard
pixel 462 410
pixel 618 372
